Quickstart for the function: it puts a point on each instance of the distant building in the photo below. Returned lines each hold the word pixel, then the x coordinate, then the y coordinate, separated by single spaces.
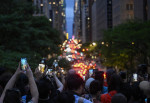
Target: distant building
pixel 77 19
pixel 42 8
pixel 54 10
pixel 84 13
pixel 101 18
pixel 94 22
pixel 142 9
pixel 123 10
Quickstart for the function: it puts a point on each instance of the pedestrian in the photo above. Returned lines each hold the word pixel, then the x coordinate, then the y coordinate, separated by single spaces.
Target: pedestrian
pixel 75 84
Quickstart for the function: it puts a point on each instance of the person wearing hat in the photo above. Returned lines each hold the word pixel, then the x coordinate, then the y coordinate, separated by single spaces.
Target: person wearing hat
pixel 145 87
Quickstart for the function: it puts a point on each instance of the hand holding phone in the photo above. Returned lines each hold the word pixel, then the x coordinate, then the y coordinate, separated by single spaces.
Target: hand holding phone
pixel 49 72
pixel 90 72
pixel 135 77
pixel 23 64
pixel 41 68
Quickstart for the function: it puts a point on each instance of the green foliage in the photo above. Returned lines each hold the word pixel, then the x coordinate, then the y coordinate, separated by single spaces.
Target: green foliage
pixel 23 35
pixel 127 45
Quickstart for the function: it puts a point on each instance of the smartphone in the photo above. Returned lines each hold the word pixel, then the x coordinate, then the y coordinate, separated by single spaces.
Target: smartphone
pixel 135 77
pixel 41 68
pixel 90 72
pixel 49 71
pixel 23 64
pixel 83 77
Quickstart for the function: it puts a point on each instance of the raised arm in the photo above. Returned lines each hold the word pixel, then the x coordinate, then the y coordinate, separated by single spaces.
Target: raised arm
pixel 33 86
pixel 59 84
pixel 10 83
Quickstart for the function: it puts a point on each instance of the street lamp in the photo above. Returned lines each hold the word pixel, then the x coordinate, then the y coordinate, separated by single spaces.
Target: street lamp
pixel 94 44
pixel 132 43
pixel 103 43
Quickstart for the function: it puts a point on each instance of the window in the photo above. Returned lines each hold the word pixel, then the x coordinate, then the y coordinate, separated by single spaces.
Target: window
pixel 129 6
pixel 50 3
pixel 54 3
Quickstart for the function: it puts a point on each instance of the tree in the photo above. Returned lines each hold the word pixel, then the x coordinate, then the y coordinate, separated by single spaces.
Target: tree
pixel 23 35
pixel 127 45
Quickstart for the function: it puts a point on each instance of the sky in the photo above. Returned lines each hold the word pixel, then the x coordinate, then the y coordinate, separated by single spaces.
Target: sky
pixel 69 16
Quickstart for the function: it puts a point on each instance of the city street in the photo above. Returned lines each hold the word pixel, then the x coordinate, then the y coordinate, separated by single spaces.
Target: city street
pixel 74 51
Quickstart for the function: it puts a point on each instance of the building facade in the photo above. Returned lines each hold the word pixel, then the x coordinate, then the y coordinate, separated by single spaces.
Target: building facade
pixel 54 10
pixel 77 20
pixel 94 22
pixel 123 10
pixel 142 9
pixel 103 17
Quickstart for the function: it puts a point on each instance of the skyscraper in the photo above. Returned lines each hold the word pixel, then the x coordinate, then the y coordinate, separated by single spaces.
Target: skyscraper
pixel 102 12
pixel 123 10
pixel 77 19
pixel 142 9
pixel 54 10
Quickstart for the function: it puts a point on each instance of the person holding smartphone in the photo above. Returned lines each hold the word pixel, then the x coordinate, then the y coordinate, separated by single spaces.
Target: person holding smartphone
pixel 13 95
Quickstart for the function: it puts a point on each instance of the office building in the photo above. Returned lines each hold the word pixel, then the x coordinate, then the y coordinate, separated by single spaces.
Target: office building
pixel 54 10
pixel 101 18
pixel 77 19
pixel 94 22
pixel 142 9
pixel 123 10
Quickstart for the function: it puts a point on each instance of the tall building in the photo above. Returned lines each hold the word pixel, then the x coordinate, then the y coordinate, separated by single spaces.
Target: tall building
pixel 101 18
pixel 94 22
pixel 85 22
pixel 123 10
pixel 84 13
pixel 54 10
pixel 42 8
pixel 77 19
pixel 142 9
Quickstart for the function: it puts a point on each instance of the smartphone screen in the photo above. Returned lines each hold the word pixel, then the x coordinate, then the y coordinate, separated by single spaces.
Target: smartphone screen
pixel 41 68
pixel 135 77
pixel 49 71
pixel 90 72
pixel 23 64
pixel 83 77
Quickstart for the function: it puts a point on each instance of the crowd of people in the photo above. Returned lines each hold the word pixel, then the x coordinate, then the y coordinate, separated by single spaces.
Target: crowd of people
pixel 28 87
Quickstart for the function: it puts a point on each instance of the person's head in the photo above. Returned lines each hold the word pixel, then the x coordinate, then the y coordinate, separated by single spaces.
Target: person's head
pixel 87 83
pixel 65 97
pixel 4 78
pixel 22 84
pixel 71 71
pixel 75 83
pixel 99 75
pixel 136 93
pixel 119 98
pixel 114 83
pixel 12 96
pixel 2 70
pixel 95 87
pixel 122 75
pixel 145 87
pixel 109 73
pixel 44 88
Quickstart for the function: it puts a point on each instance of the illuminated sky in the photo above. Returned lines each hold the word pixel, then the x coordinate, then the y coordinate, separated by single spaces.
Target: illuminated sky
pixel 69 16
